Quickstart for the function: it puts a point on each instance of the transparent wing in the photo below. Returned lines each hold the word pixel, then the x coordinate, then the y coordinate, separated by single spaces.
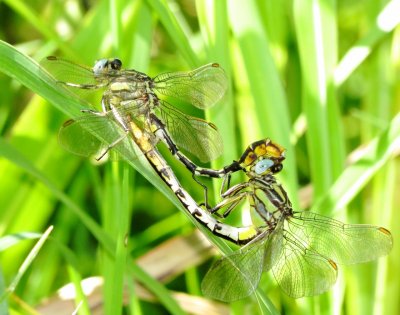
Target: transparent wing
pixel 195 135
pixel 202 87
pixel 300 271
pixel 274 247
pixel 235 276
pixel 68 71
pixel 77 80
pixel 344 243
pixel 93 135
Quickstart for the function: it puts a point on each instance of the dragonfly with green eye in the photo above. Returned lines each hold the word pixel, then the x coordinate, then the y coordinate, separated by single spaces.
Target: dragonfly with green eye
pixel 302 249
pixel 132 95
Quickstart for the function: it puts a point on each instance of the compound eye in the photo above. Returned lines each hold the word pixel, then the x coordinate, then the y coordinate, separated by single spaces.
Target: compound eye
pixel 262 166
pixel 276 168
pixel 99 66
pixel 116 64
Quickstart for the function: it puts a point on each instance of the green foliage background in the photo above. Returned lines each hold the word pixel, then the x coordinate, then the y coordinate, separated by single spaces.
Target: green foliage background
pixel 319 77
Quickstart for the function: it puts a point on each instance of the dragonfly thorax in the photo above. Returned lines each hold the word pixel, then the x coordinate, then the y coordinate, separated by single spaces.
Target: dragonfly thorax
pixel 269 200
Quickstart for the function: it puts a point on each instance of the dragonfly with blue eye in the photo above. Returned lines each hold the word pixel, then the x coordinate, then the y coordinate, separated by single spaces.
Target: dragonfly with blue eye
pixel 130 95
pixel 303 249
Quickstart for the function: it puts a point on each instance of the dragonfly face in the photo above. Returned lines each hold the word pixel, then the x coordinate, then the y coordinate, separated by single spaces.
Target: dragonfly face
pixel 262 157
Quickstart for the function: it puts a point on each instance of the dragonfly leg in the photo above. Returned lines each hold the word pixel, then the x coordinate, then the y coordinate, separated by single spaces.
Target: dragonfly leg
pixel 93 112
pixel 205 188
pixel 230 208
pixel 158 128
pixel 81 86
pixel 226 183
pixel 231 202
pixel 111 145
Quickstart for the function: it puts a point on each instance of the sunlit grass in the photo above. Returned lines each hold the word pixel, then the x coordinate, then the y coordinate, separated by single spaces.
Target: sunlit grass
pixel 335 65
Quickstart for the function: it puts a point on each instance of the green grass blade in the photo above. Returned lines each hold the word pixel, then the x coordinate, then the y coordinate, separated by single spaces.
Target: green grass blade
pixel 115 22
pixel 386 20
pixel 28 14
pixel 11 154
pixel 356 176
pixel 315 30
pixel 157 289
pixel 13 239
pixel 27 262
pixel 3 303
pixel 175 31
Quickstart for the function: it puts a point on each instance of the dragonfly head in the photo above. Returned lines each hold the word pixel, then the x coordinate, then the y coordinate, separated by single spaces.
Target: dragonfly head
pixel 106 66
pixel 262 157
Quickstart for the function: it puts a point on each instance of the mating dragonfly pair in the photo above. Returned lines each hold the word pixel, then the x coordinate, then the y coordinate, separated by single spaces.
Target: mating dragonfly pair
pixel 301 248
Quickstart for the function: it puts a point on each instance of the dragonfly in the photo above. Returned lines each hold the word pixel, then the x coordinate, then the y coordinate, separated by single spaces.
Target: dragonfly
pixel 302 249
pixel 132 95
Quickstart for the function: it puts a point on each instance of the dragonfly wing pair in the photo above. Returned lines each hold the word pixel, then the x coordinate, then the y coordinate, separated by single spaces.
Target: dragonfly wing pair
pixel 202 87
pixel 302 254
pixel 298 271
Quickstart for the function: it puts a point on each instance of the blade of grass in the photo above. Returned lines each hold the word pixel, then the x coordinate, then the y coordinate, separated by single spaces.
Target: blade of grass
pixel 159 290
pixel 80 299
pixel 115 7
pixel 13 239
pixel 117 206
pixel 356 176
pixel 378 102
pixel 27 262
pixel 139 32
pixel 11 154
pixel 28 14
pixel 3 303
pixel 316 36
pixel 175 31
pixel 386 21
pixel 116 212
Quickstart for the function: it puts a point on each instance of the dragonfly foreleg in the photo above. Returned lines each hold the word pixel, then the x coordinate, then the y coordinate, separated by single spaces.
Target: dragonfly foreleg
pixel 112 145
pixel 158 128
pixel 93 112
pixel 231 202
pixel 81 86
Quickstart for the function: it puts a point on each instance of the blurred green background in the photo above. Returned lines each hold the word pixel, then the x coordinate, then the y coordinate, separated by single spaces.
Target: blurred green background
pixel 318 77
